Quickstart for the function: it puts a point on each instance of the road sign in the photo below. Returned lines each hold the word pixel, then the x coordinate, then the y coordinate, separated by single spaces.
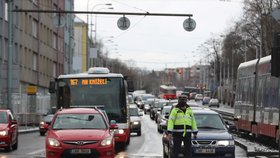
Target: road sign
pixel 189 24
pixel 123 23
pixel 31 90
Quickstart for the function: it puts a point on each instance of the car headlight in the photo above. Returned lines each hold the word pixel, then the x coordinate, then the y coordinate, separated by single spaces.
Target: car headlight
pixel 107 141
pixel 225 142
pixel 53 142
pixel 119 131
pixel 4 133
pixel 136 123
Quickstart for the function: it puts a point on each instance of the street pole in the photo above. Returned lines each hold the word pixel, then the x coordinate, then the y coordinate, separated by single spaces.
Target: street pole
pixel 10 53
pixel 221 80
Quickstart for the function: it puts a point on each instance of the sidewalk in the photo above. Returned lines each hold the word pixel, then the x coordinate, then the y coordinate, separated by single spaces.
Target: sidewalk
pixel 28 129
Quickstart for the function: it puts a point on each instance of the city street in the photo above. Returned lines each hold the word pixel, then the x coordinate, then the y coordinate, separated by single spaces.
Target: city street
pixel 31 145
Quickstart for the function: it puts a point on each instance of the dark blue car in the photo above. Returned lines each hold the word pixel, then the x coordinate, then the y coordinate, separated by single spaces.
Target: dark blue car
pixel 213 139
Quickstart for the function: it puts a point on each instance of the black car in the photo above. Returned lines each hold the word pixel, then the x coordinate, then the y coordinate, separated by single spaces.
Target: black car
pixel 158 104
pixel 213 138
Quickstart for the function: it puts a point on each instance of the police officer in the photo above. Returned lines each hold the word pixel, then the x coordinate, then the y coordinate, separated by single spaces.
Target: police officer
pixel 181 124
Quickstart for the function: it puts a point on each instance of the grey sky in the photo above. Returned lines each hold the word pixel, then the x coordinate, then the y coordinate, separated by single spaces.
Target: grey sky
pixel 160 42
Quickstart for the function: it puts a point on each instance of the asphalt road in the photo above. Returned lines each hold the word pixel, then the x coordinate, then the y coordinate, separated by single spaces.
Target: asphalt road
pixel 149 144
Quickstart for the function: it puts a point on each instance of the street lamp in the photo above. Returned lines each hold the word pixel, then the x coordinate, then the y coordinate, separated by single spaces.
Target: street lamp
pixel 93 8
pixel 95 24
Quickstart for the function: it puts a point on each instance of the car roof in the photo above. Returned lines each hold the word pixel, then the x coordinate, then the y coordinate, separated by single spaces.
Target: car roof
pixel 78 111
pixel 203 111
pixel 133 106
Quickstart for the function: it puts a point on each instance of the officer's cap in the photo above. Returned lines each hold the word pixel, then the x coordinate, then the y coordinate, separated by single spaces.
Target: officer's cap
pixel 182 98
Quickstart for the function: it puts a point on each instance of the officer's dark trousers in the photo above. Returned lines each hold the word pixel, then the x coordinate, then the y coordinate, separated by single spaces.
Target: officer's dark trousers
pixel 186 150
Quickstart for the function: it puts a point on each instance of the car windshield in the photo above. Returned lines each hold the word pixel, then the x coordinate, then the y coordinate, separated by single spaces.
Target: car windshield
pixel 209 122
pixel 48 118
pixel 3 117
pixel 133 111
pixel 79 121
pixel 166 110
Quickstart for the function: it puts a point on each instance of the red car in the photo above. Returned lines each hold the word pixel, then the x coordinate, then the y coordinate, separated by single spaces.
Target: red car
pixel 80 132
pixel 8 130
pixel 44 124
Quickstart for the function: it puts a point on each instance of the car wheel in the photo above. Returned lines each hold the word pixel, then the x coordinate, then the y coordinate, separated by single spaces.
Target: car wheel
pixel 15 146
pixel 42 133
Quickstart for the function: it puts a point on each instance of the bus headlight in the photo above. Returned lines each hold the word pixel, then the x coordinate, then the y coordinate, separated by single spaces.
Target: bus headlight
pixel 120 131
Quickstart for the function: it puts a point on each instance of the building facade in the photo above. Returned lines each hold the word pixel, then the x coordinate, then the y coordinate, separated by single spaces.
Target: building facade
pixel 80 56
pixel 39 51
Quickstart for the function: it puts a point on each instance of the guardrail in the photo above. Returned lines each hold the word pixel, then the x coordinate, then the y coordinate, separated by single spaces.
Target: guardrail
pixel 227 116
pixel 28 119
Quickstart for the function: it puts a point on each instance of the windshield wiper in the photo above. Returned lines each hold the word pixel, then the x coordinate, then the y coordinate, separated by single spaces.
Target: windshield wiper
pixel 209 127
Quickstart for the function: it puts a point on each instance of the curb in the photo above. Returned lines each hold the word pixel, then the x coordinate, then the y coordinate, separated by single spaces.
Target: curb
pixel 22 131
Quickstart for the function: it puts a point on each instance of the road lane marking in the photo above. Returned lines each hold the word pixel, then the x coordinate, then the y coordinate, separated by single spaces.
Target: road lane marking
pixel 36 152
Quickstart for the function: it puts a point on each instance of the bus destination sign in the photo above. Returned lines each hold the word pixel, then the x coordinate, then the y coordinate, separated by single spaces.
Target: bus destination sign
pixel 96 81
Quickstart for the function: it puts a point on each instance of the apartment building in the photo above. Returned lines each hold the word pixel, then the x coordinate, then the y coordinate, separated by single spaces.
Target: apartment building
pixel 40 50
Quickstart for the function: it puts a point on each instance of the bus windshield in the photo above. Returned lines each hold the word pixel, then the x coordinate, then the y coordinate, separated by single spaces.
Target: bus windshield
pixel 90 92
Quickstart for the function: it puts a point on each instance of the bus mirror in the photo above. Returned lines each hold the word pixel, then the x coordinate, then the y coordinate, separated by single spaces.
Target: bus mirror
pixel 130 86
pixel 52 86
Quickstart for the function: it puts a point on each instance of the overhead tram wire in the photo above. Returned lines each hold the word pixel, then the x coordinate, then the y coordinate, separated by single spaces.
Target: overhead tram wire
pixel 130 6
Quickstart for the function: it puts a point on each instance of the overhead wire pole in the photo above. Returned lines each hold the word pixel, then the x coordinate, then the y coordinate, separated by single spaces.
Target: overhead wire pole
pixel 10 53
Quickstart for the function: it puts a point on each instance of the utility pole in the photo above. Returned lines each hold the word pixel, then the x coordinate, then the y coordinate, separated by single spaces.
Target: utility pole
pixel 10 53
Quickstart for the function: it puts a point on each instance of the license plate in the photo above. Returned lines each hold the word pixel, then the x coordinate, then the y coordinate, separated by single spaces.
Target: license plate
pixel 80 151
pixel 205 150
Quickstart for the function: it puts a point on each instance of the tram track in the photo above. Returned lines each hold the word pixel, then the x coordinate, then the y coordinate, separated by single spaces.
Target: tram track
pixel 253 147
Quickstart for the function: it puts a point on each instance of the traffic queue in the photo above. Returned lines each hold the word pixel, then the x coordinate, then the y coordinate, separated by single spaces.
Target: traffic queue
pixel 213 138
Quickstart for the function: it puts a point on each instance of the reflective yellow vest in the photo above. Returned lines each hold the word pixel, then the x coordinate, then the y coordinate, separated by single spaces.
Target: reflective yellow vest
pixel 182 122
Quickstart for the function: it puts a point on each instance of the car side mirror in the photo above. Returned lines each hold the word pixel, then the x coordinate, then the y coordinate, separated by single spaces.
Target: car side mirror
pixel 231 127
pixel 140 114
pixel 114 126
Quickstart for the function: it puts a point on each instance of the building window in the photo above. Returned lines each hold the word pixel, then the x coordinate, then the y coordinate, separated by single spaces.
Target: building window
pixel 6 10
pixel 34 61
pixel 35 28
pixel 55 40
pixel 54 69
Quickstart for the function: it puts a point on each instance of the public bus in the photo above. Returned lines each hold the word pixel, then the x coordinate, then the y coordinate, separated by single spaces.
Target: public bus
pixel 167 92
pixel 256 106
pixel 96 88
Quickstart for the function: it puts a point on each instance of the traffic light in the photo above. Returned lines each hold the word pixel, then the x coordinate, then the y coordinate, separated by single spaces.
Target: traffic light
pixel 275 62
